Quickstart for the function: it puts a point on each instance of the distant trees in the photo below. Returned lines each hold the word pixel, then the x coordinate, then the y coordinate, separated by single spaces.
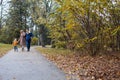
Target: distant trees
pixel 1 11
pixel 92 26
pixel 18 14
pixel 40 11
pixel 16 20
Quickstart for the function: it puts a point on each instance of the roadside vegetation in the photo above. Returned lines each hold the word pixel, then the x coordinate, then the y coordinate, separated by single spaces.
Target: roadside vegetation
pixel 79 66
pixel 4 48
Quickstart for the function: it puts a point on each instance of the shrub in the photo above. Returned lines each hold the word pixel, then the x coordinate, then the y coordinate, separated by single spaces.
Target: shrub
pixel 34 41
pixel 61 44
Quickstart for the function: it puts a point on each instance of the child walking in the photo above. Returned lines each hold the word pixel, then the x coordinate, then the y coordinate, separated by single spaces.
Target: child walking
pixel 15 42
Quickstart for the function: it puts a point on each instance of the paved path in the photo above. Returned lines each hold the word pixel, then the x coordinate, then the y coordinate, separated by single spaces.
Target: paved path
pixel 28 66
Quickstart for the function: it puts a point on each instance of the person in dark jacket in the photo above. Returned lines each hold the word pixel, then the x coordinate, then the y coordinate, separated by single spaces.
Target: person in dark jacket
pixel 29 35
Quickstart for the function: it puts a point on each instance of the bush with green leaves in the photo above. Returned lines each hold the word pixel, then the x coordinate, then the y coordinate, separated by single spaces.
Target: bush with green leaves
pixel 34 41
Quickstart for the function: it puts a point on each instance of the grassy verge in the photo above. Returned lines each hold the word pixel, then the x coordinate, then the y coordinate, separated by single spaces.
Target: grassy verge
pixel 4 48
pixel 53 51
pixel 84 67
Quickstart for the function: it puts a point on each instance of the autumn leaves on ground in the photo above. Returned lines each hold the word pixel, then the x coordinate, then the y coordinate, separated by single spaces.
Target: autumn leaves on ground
pixel 85 67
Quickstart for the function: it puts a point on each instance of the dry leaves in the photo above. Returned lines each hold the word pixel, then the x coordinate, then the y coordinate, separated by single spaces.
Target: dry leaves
pixel 104 67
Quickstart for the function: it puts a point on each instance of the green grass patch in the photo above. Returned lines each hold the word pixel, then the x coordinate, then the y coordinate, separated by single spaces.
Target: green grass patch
pixel 4 48
pixel 53 51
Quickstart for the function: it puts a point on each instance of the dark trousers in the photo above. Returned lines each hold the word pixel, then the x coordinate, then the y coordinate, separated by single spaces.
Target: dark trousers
pixel 15 48
pixel 28 45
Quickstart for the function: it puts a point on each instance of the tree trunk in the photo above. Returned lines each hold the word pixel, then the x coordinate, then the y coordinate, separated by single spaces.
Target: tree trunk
pixel 42 35
pixel 118 40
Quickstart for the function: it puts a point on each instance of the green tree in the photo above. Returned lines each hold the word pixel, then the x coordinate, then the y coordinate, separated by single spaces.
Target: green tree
pixel 16 20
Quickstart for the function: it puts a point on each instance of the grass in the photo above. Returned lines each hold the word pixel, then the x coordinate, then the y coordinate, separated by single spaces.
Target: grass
pixel 53 51
pixel 4 48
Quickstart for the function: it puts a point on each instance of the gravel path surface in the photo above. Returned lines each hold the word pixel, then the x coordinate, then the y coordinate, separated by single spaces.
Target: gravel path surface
pixel 28 66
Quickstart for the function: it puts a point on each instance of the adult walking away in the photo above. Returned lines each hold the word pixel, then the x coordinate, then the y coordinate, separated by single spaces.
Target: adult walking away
pixel 29 35
pixel 22 39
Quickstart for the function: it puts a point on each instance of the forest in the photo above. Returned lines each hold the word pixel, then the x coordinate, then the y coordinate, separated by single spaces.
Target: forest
pixel 91 26
pixel 81 38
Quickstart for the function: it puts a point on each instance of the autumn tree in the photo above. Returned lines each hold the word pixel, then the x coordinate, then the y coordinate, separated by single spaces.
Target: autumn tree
pixel 90 25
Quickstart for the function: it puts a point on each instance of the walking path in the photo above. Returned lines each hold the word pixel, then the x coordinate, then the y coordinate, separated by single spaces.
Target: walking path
pixel 28 66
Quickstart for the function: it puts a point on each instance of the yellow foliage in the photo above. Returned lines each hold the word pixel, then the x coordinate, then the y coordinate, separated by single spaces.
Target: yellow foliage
pixel 80 45
pixel 40 20
pixel 114 32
